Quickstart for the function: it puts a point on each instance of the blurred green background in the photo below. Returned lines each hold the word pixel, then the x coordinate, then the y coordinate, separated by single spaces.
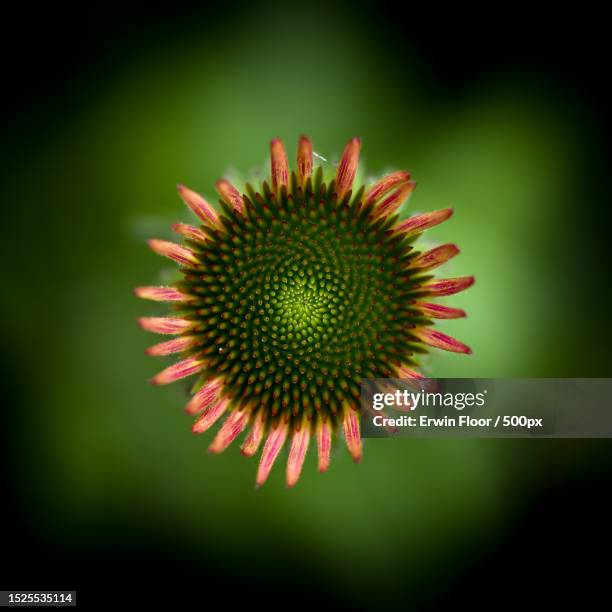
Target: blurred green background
pixel 99 462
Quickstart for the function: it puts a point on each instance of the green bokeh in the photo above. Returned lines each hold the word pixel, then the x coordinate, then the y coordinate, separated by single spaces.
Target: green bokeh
pixel 94 441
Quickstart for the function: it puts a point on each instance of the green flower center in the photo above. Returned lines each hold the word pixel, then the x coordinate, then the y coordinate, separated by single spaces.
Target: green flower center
pixel 313 296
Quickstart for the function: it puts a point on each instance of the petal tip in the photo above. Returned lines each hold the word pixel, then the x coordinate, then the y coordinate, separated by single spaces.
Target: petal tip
pixel 440 340
pixel 304 159
pixel 279 165
pixel 198 205
pixel 229 194
pixel 347 168
pixel 352 435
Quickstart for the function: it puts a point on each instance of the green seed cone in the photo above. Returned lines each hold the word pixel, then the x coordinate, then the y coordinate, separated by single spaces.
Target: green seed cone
pixel 301 296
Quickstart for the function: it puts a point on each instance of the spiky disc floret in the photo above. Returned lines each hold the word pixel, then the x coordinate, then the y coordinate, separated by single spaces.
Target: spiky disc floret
pixel 291 294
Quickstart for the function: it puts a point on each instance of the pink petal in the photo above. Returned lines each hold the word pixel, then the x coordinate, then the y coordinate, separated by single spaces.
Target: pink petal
pixel 406 373
pixel 274 443
pixel 230 194
pixel 176 345
pixel 304 159
pixel 395 200
pixel 436 311
pixel 323 444
pixel 179 370
pixel 165 325
pixel 297 453
pixel 198 205
pixel 439 340
pixel 347 168
pixel 189 231
pixel 161 294
pixel 210 416
pixel 279 164
pixel 209 393
pixel 230 430
pixel 436 257
pixel 385 185
pixel 448 286
pixel 251 443
pixel 419 223
pixel 176 252
pixel 352 435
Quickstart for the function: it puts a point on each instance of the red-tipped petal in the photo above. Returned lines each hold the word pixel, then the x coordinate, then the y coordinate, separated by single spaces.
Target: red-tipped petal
pixel 165 325
pixel 274 443
pixel 176 345
pixel 210 416
pixel 279 164
pixel 347 168
pixel 179 370
pixel 297 454
pixel 439 340
pixel 352 435
pixel 189 231
pixel 380 188
pixel 448 286
pixel 395 200
pixel 252 441
pixel 406 373
pixel 207 395
pixel 176 252
pixel 161 294
pixel 304 159
pixel 230 430
pixel 419 223
pixel 436 257
pixel 324 434
pixel 198 205
pixel 230 194
pixel 436 311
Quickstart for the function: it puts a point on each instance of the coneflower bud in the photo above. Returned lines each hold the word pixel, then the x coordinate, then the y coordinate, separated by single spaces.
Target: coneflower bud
pixel 291 294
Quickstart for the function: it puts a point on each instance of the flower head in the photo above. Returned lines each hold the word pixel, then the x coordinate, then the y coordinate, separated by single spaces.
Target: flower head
pixel 290 295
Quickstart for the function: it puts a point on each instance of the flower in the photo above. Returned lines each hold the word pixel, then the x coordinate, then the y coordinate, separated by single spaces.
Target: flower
pixel 290 295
